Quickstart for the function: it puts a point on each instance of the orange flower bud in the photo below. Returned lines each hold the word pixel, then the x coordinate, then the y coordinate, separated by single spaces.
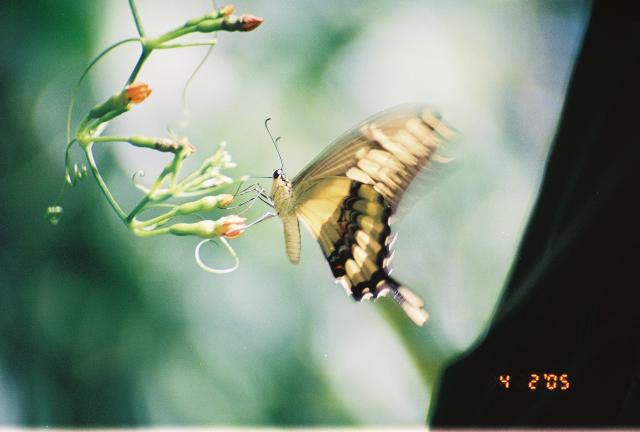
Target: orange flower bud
pixel 225 200
pixel 232 226
pixel 250 22
pixel 227 10
pixel 138 92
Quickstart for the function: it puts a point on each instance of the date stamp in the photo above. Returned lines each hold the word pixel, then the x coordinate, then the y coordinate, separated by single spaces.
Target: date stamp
pixel 543 381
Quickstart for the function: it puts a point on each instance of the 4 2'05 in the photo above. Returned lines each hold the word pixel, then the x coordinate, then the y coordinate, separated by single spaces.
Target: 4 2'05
pixel 548 381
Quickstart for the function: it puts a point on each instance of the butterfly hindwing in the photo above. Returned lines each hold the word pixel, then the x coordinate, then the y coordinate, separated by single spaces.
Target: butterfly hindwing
pixel 350 220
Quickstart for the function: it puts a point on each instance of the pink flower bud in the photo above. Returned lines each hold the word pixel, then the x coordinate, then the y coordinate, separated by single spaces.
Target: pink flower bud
pixel 250 22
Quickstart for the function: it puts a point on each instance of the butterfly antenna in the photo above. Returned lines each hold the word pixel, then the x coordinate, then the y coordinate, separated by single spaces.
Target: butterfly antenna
pixel 274 141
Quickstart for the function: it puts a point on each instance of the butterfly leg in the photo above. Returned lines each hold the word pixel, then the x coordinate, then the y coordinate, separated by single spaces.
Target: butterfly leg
pixel 261 195
pixel 251 188
pixel 265 198
pixel 267 215
pixel 251 203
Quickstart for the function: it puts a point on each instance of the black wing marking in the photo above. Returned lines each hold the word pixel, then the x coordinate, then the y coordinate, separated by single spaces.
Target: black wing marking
pixel 355 238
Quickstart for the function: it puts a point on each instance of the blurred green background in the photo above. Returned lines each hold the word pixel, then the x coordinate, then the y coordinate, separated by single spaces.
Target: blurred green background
pixel 98 327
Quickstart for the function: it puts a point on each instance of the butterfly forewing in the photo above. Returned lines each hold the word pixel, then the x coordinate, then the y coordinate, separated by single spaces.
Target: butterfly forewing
pixel 388 151
pixel 348 194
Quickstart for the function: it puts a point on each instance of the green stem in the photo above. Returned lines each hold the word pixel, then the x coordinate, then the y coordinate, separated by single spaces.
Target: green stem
pixel 188 44
pixel 159 144
pixel 174 34
pixel 136 17
pixel 190 178
pixel 150 195
pixel 84 74
pixel 200 174
pixel 137 209
pixel 95 123
pixel 158 220
pixel 213 24
pixel 150 233
pixel 176 167
pixel 103 186
pixel 111 139
pixel 195 183
pixel 143 57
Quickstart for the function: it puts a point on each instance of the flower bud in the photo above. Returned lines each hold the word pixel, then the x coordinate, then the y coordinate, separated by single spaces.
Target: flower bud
pixel 205 204
pixel 232 226
pixel 250 22
pixel 227 10
pixel 225 199
pixel 202 229
pixel 138 92
pixel 228 226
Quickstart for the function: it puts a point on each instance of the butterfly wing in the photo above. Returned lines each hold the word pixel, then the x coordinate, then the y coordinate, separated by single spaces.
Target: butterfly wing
pixel 347 195
pixel 387 150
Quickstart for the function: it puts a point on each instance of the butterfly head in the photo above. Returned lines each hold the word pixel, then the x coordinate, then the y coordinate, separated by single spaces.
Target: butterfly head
pixel 280 179
pixel 281 192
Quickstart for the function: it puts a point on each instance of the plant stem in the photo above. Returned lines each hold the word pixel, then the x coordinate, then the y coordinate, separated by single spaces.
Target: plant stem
pixel 143 57
pixel 103 186
pixel 209 42
pixel 111 139
pixel 89 129
pixel 149 196
pixel 158 220
pixel 84 74
pixel 136 17
pixel 150 233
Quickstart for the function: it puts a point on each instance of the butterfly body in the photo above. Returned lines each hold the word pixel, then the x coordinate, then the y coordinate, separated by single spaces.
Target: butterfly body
pixel 347 197
pixel 284 204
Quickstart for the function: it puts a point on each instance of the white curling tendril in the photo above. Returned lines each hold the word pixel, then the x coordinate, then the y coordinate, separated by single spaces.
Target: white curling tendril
pixel 206 268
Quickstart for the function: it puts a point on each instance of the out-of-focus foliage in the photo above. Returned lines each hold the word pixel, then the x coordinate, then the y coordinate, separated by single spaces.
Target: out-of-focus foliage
pixel 99 328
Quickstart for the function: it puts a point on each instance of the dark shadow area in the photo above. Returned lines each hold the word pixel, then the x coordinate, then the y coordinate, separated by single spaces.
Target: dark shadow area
pixel 572 303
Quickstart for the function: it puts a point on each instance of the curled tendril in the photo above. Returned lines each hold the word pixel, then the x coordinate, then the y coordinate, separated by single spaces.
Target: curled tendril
pixel 186 111
pixel 139 173
pixel 73 173
pixel 78 172
pixel 139 186
pixel 206 268
pixel 135 175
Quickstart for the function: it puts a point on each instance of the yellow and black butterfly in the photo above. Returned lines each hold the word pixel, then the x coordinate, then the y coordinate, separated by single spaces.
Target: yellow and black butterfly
pixel 348 194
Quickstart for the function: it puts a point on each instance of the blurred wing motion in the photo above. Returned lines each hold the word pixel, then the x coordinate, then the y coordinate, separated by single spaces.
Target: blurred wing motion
pixel 348 194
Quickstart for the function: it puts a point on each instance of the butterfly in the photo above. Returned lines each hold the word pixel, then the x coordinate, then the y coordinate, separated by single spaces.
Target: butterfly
pixel 347 198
